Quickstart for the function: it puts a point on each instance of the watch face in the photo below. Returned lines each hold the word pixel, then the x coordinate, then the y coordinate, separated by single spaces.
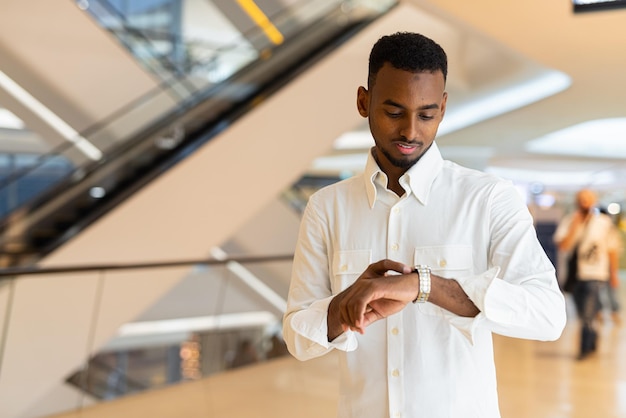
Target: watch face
pixel 422 267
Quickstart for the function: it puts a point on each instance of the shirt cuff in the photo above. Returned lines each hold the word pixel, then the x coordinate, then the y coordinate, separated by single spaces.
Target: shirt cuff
pixel 476 288
pixel 311 323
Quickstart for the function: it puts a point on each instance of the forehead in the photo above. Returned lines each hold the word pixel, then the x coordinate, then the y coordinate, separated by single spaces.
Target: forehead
pixel 405 86
pixel 586 196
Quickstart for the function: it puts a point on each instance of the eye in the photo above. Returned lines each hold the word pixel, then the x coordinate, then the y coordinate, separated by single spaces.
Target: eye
pixel 393 115
pixel 426 117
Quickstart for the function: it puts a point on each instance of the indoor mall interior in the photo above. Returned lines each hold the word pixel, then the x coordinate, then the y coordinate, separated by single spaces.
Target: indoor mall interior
pixel 157 156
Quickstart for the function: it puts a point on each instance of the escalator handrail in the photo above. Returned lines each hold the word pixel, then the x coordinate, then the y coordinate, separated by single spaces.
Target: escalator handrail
pixel 163 85
pixel 12 272
pixel 280 76
pixel 109 120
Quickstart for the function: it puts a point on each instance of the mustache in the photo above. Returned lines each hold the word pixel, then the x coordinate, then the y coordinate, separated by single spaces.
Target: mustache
pixel 407 142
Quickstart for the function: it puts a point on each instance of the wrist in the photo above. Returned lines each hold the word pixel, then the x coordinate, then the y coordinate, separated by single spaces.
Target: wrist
pixel 423 273
pixel 333 323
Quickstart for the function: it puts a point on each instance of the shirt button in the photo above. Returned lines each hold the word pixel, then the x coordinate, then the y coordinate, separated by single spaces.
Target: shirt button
pixel 395 247
pixel 397 414
pixel 395 373
pixel 443 263
pixel 396 210
pixel 395 331
pixel 343 267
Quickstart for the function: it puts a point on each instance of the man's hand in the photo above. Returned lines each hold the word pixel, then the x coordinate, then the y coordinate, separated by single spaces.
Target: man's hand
pixel 379 309
pixel 376 294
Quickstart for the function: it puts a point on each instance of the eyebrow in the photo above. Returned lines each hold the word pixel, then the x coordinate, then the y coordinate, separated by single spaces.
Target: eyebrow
pixel 390 102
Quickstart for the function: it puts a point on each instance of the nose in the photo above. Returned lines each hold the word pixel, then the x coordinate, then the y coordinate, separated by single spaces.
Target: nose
pixel 409 128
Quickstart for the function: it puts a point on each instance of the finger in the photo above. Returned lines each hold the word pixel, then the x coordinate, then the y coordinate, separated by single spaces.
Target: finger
pixel 357 329
pixel 368 318
pixel 385 265
pixel 353 311
pixel 360 307
pixel 344 315
pixel 352 315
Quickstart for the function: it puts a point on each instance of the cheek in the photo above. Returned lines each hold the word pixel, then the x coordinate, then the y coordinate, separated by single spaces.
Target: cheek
pixel 382 127
pixel 429 129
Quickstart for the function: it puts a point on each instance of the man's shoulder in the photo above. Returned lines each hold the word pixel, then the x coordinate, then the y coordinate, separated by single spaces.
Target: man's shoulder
pixel 470 176
pixel 606 220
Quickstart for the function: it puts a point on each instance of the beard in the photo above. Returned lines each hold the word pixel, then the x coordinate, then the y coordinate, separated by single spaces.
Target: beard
pixel 405 163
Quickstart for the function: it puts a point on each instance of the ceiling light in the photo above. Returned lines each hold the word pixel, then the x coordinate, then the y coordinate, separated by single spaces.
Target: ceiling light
pixel 97 192
pixel 576 178
pixel 82 4
pixel 503 101
pixel 603 138
pixel 354 140
pixel 340 163
pixel 545 200
pixel 613 208
pixel 201 323
pixel 45 114
pixel 9 121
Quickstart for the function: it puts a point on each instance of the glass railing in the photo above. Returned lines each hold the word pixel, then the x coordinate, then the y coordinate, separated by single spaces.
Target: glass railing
pixel 206 40
pixel 194 102
pixel 26 187
pixel 209 317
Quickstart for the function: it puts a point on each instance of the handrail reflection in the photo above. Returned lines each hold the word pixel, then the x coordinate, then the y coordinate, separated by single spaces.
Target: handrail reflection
pixel 164 346
pixel 11 272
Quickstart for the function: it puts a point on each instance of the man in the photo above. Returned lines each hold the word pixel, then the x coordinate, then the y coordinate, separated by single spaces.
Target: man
pixel 416 341
pixel 593 238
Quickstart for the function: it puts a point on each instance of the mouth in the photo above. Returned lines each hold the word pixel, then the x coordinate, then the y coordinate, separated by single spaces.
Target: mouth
pixel 406 149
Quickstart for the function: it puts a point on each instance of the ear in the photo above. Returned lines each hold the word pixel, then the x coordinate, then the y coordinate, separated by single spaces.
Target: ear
pixel 362 101
pixel 444 102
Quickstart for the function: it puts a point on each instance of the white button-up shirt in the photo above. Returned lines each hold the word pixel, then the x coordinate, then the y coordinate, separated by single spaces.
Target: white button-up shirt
pixel 423 361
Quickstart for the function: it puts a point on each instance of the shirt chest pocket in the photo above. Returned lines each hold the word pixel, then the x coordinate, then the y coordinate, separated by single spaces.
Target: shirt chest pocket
pixel 347 267
pixel 447 261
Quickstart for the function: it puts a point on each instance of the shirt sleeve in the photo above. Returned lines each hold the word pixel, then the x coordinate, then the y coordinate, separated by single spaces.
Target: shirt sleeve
pixel 305 321
pixel 519 295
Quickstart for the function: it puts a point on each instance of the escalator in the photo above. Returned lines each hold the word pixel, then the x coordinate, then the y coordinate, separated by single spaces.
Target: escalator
pixel 193 104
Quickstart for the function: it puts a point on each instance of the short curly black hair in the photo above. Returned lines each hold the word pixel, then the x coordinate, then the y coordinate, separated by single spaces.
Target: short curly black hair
pixel 407 51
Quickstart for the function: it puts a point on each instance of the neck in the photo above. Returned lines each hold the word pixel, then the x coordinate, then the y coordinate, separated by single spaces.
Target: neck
pixel 393 174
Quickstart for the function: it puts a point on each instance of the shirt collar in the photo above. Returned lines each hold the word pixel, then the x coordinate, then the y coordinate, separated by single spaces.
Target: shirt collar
pixel 420 177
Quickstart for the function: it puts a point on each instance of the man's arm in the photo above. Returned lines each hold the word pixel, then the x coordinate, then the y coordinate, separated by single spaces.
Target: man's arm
pixel 615 248
pixel 376 295
pixel 449 295
pixel 614 269
pixel 573 231
pixel 519 295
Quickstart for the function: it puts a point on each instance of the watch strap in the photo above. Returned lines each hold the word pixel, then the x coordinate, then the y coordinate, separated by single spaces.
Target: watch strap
pixel 423 273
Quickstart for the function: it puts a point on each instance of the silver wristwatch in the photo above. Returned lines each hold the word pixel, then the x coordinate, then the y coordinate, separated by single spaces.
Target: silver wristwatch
pixel 423 272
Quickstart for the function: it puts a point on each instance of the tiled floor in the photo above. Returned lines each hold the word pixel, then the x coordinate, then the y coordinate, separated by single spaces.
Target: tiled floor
pixel 544 379
pixel 536 380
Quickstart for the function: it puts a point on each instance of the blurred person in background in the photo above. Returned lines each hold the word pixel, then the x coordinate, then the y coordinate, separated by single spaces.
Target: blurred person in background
pixel 609 295
pixel 593 244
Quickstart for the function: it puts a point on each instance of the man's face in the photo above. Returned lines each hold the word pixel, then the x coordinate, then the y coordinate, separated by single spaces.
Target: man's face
pixel 404 111
pixel 586 199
